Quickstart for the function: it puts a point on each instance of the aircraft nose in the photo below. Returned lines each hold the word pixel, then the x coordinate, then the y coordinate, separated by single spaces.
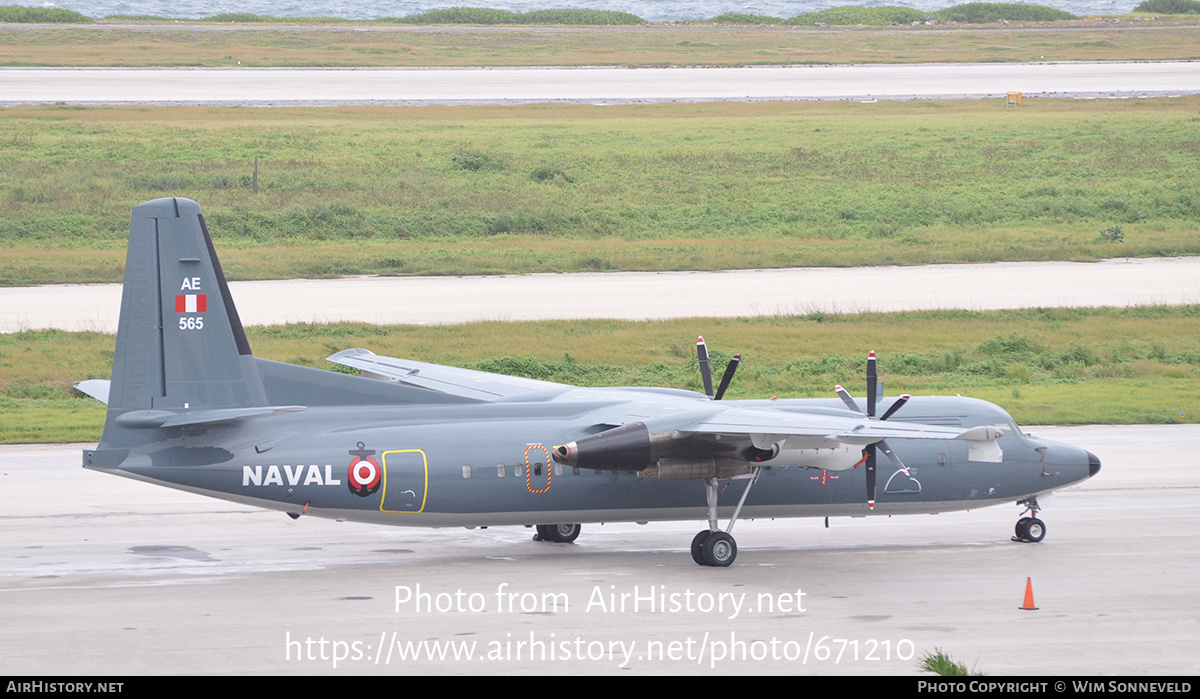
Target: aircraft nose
pixel 1093 464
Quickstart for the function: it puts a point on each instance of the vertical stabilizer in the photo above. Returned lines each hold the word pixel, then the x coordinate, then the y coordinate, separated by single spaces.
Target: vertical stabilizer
pixel 180 343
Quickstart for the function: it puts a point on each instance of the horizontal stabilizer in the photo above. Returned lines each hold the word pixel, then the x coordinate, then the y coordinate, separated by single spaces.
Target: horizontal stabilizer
pixel 96 388
pixel 149 419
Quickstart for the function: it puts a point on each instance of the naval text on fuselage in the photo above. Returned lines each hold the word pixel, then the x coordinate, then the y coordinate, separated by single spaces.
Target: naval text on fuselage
pixel 602 599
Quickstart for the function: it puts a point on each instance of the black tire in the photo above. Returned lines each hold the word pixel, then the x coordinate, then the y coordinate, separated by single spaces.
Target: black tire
pixel 1035 530
pixel 720 550
pixel 558 533
pixel 1021 525
pixel 698 547
pixel 565 533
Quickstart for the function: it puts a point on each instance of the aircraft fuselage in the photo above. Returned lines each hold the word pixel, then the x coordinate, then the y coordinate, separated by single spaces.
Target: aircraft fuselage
pixel 490 465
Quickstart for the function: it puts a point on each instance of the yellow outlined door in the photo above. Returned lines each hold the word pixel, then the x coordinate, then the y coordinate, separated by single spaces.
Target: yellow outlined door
pixel 537 468
pixel 405 481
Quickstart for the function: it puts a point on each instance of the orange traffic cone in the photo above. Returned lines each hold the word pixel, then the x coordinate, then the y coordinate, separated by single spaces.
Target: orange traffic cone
pixel 1028 595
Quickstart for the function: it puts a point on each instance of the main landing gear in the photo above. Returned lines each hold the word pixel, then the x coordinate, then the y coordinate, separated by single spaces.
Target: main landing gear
pixel 1030 530
pixel 713 547
pixel 557 533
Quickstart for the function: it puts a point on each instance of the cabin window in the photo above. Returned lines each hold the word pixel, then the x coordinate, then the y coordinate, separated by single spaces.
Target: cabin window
pixel 941 459
pixel 557 469
pixel 575 470
pixel 500 470
pixel 466 470
pixel 518 471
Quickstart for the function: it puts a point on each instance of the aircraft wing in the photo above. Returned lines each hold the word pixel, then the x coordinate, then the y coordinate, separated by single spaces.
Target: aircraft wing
pixel 787 430
pixel 468 383
pixel 772 425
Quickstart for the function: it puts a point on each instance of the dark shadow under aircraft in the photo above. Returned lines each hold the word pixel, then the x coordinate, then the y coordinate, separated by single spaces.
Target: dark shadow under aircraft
pixel 416 444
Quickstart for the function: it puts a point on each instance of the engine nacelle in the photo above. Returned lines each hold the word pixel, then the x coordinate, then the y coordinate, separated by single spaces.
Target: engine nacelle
pixel 839 458
pixel 624 448
pixel 683 469
pixel 634 448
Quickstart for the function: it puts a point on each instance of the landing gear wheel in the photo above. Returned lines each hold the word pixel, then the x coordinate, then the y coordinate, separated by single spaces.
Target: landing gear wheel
pixel 557 533
pixel 719 550
pixel 1035 530
pixel 565 533
pixel 698 547
pixel 1021 524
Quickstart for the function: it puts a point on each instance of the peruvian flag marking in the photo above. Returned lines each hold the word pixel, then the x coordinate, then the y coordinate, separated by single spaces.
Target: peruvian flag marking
pixel 191 303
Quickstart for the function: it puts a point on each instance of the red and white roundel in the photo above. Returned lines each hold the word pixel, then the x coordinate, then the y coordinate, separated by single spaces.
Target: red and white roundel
pixel 363 476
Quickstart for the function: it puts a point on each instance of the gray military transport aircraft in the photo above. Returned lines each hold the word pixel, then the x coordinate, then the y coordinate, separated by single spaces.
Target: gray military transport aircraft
pixel 416 444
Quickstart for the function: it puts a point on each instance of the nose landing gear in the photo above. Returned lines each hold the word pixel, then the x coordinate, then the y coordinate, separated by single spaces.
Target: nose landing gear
pixel 1030 530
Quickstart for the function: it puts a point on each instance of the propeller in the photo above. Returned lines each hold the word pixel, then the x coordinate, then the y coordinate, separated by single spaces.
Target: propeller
pixel 881 445
pixel 706 370
pixel 730 368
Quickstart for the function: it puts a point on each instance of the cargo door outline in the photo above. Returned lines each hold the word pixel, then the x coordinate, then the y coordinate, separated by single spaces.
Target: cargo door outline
pixel 405 481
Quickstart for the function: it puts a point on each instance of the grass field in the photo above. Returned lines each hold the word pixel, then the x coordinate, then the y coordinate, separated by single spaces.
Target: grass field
pixel 712 45
pixel 536 188
pixel 1060 366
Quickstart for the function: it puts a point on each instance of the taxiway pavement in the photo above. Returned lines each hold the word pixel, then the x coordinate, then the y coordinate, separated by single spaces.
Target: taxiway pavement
pixel 445 300
pixel 399 86
pixel 104 575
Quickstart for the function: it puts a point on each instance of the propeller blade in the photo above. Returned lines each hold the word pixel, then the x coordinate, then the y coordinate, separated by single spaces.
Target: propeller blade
pixel 871 387
pixel 870 470
pixel 845 396
pixel 705 370
pixel 729 369
pixel 891 455
pixel 896 406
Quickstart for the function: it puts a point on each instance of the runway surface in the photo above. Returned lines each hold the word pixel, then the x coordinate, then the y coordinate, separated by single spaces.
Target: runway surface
pixel 443 300
pixel 304 86
pixel 104 575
